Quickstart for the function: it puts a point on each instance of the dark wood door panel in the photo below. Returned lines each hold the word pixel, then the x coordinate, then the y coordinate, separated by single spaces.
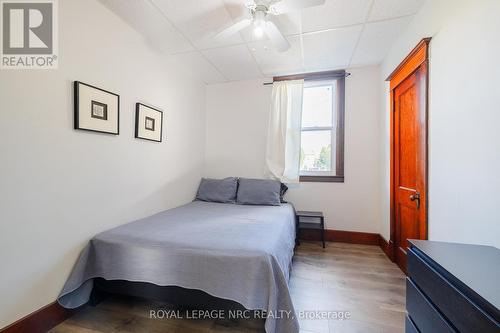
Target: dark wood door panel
pixel 409 222
pixel 407 133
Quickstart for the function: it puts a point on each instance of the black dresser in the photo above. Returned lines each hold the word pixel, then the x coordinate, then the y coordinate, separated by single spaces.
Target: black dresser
pixel 452 288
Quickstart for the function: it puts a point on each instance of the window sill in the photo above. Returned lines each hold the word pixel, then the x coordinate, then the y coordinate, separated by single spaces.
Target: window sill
pixel 321 179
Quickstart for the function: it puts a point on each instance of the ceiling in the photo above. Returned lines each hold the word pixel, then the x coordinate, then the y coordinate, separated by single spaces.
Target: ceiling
pixel 337 35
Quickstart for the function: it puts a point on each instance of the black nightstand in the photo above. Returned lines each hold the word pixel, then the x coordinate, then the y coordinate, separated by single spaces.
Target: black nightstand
pixel 311 220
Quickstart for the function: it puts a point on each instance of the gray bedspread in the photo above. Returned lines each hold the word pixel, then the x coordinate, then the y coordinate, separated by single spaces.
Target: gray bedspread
pixel 236 252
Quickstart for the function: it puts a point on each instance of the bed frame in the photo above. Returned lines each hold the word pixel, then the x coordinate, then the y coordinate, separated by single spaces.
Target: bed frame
pixel 180 298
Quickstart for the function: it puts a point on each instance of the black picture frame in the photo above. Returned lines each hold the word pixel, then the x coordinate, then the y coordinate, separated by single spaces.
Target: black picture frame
pixel 137 115
pixel 76 108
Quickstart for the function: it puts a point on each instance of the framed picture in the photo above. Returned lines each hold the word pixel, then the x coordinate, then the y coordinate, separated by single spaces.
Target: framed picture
pixel 148 123
pixel 96 109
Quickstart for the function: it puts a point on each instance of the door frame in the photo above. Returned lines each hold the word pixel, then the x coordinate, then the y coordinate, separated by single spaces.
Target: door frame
pixel 417 59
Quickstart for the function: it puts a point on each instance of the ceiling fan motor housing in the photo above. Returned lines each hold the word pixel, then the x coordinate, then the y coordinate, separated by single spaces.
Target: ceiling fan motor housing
pixel 259 13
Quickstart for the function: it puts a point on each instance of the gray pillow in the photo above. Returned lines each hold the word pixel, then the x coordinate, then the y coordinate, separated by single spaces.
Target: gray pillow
pixel 218 190
pixel 258 192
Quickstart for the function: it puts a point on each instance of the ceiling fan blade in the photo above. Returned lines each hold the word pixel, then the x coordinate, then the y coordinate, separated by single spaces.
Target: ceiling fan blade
pixel 234 28
pixel 286 6
pixel 276 37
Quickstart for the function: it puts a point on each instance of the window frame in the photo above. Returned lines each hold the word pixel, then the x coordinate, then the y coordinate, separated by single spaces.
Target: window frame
pixel 339 77
pixel 331 128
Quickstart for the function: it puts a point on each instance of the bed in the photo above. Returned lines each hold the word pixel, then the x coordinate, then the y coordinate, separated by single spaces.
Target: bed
pixel 241 253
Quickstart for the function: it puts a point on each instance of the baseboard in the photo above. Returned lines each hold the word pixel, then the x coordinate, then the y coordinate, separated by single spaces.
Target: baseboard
pixel 341 236
pixel 352 237
pixel 387 247
pixel 40 321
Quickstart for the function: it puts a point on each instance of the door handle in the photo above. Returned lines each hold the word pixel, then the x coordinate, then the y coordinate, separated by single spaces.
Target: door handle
pixel 416 197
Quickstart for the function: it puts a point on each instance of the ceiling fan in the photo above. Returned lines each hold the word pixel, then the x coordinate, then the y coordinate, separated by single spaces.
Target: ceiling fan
pixel 260 10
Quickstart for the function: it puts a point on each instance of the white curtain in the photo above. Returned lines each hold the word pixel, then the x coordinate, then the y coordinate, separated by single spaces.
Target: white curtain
pixel 283 136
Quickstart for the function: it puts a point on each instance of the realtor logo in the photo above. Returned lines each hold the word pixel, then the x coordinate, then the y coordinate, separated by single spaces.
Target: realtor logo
pixel 29 34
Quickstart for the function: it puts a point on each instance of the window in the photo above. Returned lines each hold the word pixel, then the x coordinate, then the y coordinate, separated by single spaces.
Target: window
pixel 322 133
pixel 322 137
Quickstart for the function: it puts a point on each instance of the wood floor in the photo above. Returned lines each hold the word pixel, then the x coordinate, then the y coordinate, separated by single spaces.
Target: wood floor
pixel 358 279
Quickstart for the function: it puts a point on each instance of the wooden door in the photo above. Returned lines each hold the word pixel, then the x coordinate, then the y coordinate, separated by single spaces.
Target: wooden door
pixel 409 153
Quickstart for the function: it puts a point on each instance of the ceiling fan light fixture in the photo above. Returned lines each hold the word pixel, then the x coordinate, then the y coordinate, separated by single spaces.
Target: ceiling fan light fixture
pixel 258 32
pixel 259 23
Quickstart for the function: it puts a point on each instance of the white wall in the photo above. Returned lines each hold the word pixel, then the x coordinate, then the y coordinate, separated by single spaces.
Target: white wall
pixel 237 117
pixel 58 186
pixel 464 135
